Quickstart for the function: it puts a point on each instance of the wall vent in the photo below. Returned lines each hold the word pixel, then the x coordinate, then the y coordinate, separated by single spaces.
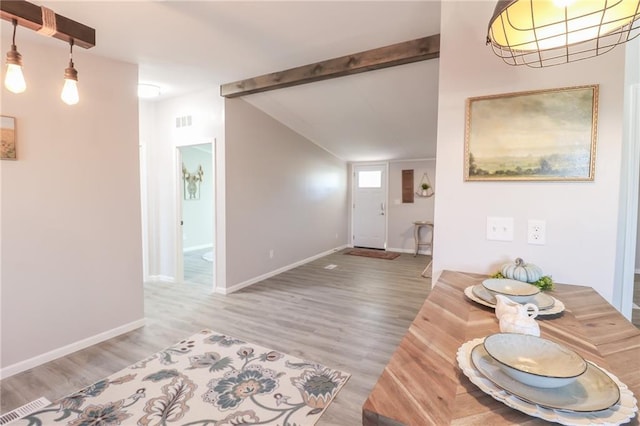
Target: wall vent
pixel 184 121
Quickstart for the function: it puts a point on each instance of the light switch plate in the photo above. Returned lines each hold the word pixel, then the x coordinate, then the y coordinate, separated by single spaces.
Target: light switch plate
pixel 499 228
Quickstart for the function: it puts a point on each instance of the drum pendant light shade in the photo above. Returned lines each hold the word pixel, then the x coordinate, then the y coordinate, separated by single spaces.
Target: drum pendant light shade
pixel 542 33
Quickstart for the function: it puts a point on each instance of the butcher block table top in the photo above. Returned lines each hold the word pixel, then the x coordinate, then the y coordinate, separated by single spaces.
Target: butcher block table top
pixel 422 384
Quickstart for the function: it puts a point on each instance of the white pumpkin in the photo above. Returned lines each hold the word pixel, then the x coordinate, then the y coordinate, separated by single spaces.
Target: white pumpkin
pixel 521 271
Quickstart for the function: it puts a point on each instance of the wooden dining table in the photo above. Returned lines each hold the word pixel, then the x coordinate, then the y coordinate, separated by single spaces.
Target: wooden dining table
pixel 423 385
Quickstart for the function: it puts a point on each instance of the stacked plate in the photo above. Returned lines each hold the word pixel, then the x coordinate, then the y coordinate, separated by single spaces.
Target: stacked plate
pixel 518 291
pixel 535 361
pixel 545 379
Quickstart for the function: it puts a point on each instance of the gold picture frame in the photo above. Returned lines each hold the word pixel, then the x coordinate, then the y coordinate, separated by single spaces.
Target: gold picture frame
pixel 8 138
pixel 542 135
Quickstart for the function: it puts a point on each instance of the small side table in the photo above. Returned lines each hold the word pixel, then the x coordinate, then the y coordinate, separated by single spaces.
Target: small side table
pixel 416 235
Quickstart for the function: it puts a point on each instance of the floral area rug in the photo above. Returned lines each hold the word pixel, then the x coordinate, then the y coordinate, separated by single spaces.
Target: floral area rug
pixel 208 379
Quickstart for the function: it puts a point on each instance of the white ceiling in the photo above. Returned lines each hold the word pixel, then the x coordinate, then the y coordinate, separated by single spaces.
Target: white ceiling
pixel 186 46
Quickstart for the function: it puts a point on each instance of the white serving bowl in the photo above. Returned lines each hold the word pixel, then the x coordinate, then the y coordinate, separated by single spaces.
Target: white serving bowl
pixel 535 361
pixel 515 290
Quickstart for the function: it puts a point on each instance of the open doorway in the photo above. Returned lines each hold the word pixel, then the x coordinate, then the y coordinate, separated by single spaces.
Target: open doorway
pixel 196 207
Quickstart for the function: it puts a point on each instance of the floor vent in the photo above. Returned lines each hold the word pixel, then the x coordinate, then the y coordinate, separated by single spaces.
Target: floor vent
pixel 25 410
pixel 331 266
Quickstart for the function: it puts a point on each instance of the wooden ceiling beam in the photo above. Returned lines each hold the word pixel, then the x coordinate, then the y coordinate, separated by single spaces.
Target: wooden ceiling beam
pixel 29 15
pixel 383 57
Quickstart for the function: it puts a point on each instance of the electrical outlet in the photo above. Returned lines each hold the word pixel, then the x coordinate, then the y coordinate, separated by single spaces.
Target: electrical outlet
pixel 537 232
pixel 271 254
pixel 500 228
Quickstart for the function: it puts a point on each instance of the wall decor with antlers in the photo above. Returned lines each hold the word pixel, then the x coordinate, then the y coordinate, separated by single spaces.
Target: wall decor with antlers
pixel 191 182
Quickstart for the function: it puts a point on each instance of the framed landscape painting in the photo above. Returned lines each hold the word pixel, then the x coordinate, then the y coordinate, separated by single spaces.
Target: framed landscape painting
pixel 545 135
pixel 7 138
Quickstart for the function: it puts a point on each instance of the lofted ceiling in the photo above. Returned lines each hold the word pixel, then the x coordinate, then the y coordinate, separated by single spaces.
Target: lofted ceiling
pixel 186 46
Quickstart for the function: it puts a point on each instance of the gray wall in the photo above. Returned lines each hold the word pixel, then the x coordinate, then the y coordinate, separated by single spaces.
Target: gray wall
pixel 160 137
pixel 402 215
pixel 71 246
pixel 284 194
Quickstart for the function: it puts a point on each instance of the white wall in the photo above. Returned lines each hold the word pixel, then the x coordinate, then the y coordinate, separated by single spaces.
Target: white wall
pixel 283 194
pixel 159 120
pixel 71 258
pixel 145 109
pixel 402 215
pixel 627 259
pixel 581 217
pixel 197 214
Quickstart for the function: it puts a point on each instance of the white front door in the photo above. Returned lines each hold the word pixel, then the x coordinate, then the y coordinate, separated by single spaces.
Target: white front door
pixel 370 206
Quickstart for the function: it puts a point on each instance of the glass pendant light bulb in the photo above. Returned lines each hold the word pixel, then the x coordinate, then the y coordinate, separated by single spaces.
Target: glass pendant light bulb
pixel 69 93
pixel 14 79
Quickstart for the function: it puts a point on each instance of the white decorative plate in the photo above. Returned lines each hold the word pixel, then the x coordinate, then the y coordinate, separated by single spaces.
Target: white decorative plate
pixel 620 413
pixel 556 308
pixel 592 391
pixel 541 300
pixel 535 361
pixel 519 291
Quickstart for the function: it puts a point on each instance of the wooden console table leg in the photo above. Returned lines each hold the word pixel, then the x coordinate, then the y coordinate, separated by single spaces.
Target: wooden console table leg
pixel 427 271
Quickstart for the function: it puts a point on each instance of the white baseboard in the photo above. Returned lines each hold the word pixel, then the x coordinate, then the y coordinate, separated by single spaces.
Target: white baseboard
pixel 66 350
pixel 263 277
pixel 161 279
pixel 426 252
pixel 194 248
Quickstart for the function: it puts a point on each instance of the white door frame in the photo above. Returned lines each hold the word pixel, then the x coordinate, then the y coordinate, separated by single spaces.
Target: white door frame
pixel 144 209
pixel 179 255
pixel 352 173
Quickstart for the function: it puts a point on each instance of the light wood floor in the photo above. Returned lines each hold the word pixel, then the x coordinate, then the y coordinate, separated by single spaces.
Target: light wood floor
pixel 196 269
pixel 350 318
pixel 635 312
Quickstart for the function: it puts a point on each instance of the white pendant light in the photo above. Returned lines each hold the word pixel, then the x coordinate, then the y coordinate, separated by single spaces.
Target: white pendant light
pixel 69 93
pixel 14 79
pixel 541 33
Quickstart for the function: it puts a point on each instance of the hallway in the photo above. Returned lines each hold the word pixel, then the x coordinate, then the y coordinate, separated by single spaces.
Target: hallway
pixel 198 270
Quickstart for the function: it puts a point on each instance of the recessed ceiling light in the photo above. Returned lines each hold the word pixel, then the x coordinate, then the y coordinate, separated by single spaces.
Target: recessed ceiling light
pixel 148 91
